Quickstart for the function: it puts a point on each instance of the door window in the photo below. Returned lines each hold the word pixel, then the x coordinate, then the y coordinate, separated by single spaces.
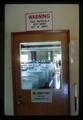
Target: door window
pixel 40 65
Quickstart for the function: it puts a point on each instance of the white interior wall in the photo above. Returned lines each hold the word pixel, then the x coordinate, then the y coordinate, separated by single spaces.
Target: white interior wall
pixel 65 16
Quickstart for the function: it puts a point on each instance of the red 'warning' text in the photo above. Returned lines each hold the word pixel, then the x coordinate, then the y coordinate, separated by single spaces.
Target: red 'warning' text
pixel 38 16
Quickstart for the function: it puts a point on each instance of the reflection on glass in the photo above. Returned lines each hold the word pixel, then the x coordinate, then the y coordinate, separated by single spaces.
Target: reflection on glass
pixel 40 64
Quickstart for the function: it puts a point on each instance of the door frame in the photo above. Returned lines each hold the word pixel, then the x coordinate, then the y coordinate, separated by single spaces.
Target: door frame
pixel 12 58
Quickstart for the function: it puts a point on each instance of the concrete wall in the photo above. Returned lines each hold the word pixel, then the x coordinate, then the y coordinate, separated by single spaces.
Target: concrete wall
pixel 64 17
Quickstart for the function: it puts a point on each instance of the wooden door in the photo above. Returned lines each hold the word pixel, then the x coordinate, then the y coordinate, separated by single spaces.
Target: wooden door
pixel 39 45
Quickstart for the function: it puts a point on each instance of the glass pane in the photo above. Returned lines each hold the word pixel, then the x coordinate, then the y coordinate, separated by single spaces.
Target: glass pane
pixel 40 65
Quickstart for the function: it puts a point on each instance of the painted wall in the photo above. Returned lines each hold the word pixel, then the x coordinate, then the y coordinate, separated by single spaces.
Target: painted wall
pixel 64 17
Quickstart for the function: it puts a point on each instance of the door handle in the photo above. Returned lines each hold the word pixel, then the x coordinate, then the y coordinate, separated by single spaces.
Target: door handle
pixel 19 102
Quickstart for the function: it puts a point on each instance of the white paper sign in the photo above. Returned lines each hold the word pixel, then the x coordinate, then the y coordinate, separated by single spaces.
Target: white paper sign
pixel 39 21
pixel 41 95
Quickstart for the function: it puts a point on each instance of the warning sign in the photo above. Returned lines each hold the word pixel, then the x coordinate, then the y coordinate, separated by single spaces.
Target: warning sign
pixel 41 95
pixel 39 21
